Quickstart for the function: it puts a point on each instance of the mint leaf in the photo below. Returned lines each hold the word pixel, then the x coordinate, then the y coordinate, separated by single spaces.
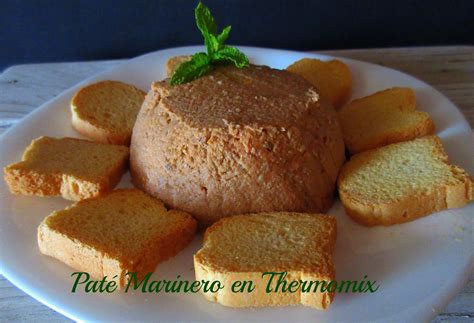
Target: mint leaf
pixel 222 37
pixel 191 70
pixel 208 27
pixel 217 52
pixel 200 59
pixel 233 55
pixel 212 44
pixel 204 20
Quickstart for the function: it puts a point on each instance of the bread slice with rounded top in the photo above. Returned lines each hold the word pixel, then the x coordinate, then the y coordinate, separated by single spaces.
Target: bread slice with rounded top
pixel 124 231
pixel 106 111
pixel 402 182
pixel 383 118
pixel 245 247
pixel 332 78
pixel 173 63
pixel 73 168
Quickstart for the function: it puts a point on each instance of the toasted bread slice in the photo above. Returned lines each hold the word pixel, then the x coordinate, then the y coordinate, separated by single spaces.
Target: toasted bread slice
pixel 106 111
pixel 402 182
pixel 333 78
pixel 173 63
pixel 125 231
pixel 74 168
pixel 243 247
pixel 383 118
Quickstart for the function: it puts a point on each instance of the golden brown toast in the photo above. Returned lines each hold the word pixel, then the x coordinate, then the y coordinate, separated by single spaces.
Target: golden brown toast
pixel 106 111
pixel 402 182
pixel 243 247
pixel 383 118
pixel 73 168
pixel 125 231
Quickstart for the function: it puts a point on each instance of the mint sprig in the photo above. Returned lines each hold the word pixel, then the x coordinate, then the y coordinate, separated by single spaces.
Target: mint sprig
pixel 202 63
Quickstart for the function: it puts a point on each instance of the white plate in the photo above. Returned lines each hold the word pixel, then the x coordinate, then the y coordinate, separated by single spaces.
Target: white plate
pixel 420 265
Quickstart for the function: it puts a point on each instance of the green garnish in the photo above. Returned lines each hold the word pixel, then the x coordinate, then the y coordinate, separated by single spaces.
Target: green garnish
pixel 202 63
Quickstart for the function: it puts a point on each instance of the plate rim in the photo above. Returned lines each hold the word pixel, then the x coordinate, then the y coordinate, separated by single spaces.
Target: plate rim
pixel 69 312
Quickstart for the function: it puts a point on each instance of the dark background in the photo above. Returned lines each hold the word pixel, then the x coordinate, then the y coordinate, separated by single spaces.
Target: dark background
pixel 67 30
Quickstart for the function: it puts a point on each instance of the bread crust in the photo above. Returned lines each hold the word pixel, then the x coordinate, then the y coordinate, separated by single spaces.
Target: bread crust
pixel 358 120
pixel 332 78
pixel 411 206
pixel 259 297
pixel 36 181
pixel 111 131
pixel 218 167
pixel 99 263
pixel 423 128
pixel 207 268
pixel 82 258
pixel 98 134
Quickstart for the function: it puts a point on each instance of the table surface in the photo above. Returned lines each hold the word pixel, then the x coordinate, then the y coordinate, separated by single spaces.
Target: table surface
pixel 450 69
